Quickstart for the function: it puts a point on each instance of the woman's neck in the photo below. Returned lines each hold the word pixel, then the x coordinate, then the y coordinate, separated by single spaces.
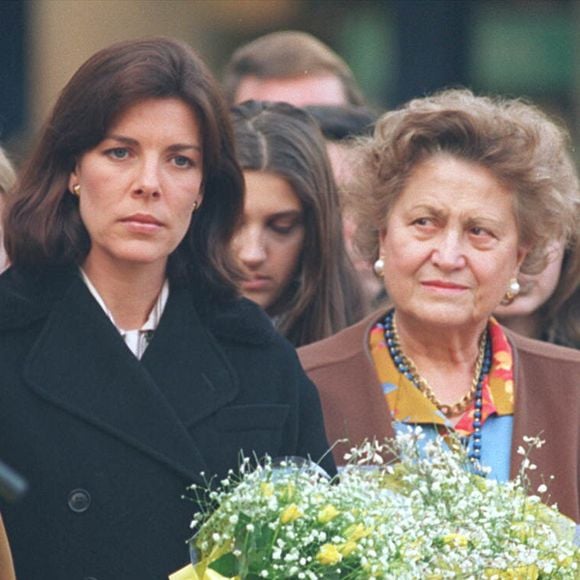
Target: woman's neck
pixel 446 358
pixel 129 293
pixel 448 345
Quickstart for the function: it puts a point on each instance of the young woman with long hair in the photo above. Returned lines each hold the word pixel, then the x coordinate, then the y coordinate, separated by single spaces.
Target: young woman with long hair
pixel 290 243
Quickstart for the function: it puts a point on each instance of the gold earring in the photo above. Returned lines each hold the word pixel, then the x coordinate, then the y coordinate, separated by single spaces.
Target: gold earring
pixel 195 204
pixel 379 267
pixel 77 189
pixel 512 291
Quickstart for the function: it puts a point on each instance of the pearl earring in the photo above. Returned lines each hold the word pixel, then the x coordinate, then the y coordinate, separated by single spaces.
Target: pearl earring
pixel 512 291
pixel 379 268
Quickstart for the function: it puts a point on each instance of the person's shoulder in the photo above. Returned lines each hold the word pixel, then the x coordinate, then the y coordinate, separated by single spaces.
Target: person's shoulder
pixel 26 296
pixel 339 347
pixel 529 347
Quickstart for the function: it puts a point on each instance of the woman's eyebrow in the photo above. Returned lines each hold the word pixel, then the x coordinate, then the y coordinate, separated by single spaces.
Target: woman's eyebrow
pixel 288 213
pixel 121 139
pixel 184 146
pixel 133 142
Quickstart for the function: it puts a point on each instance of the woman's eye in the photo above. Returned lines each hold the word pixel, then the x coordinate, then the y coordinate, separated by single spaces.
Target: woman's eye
pixel 480 232
pixel 182 161
pixel 284 228
pixel 423 222
pixel 118 153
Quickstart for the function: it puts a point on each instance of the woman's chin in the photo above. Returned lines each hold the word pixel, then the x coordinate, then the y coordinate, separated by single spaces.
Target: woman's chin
pixel 128 258
pixel 448 315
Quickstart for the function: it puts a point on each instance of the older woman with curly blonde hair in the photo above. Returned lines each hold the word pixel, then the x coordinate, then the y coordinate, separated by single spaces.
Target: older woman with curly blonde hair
pixel 456 195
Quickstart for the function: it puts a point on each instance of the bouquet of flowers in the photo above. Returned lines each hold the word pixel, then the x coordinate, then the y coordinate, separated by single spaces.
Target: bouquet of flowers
pixel 428 515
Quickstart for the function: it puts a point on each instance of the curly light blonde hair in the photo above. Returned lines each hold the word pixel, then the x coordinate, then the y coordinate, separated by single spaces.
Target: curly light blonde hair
pixel 522 147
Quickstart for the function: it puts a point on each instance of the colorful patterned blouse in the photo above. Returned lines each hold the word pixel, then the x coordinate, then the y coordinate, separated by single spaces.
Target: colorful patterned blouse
pixel 408 405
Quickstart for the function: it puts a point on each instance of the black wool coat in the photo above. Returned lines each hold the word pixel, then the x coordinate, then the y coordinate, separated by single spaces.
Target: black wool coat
pixel 109 443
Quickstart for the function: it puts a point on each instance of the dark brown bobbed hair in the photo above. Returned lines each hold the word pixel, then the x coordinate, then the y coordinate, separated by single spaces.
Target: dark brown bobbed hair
pixel 43 226
pixel 325 295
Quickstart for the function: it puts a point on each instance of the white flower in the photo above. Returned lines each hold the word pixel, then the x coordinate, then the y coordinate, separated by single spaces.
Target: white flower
pixel 424 515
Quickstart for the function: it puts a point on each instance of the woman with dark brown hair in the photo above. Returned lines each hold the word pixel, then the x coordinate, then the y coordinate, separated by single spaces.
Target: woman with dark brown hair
pixel 290 244
pixel 130 368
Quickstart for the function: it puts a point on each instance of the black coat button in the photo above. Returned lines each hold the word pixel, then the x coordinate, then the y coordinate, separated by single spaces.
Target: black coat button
pixel 79 500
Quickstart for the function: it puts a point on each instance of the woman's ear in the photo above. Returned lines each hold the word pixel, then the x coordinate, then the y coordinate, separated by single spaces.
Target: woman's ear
pixel 73 179
pixel 382 236
pixel 523 251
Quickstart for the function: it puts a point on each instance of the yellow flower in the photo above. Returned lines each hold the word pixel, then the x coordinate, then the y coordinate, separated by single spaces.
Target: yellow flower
pixel 455 540
pixel 287 493
pixel 480 483
pixel 267 489
pixel 329 555
pixel 327 514
pixel 190 573
pixel 409 551
pixel 521 573
pixel 530 572
pixel 520 530
pixel 356 532
pixel 291 513
pixel 201 570
pixel 347 548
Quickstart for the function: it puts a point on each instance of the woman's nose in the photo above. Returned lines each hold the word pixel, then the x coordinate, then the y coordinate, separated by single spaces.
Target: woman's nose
pixel 251 249
pixel 148 181
pixel 448 253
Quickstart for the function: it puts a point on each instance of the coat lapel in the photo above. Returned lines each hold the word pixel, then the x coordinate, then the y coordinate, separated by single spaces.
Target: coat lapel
pixel 81 364
pixel 187 364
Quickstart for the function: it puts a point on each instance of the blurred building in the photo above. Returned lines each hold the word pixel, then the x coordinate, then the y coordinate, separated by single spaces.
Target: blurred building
pixel 398 49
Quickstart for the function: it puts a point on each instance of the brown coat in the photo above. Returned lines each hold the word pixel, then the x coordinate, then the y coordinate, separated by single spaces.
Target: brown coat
pixel 547 403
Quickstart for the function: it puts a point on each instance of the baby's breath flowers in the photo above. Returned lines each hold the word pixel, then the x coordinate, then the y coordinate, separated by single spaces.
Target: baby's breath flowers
pixel 425 516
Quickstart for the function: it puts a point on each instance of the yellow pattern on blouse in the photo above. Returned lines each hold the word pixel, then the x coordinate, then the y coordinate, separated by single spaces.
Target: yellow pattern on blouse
pixel 409 405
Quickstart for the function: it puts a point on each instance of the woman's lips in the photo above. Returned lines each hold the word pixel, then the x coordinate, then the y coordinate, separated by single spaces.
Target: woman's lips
pixel 142 223
pixel 256 284
pixel 443 286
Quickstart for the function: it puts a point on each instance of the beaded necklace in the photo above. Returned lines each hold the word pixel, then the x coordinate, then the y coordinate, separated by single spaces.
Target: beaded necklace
pixel 407 368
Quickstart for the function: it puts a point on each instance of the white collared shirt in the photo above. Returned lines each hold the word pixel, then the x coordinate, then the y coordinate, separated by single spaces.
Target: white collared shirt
pixel 136 340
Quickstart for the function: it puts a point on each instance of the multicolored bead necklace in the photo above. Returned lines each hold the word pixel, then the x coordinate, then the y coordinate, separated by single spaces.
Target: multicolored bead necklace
pixel 407 368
